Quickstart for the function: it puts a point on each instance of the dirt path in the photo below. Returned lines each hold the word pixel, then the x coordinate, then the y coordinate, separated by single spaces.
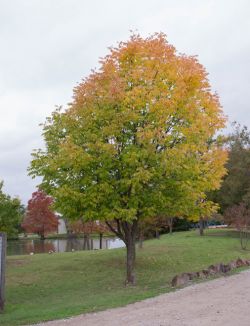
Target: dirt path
pixel 224 301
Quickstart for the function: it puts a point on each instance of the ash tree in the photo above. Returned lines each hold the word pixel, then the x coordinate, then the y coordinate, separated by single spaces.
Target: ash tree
pixel 137 137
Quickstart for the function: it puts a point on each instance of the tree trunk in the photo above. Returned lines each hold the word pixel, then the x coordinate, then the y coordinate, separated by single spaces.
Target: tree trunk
pixel 157 234
pixel 141 238
pixel 201 226
pixel 67 226
pixel 127 232
pixel 244 237
pixel 170 225
pixel 101 236
pixel 86 244
pixel 42 233
pixel 130 232
pixel 130 280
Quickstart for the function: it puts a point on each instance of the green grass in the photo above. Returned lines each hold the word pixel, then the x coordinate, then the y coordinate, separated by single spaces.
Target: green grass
pixel 45 287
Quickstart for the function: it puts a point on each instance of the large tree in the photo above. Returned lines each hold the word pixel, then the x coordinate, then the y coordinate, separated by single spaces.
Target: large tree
pixel 11 212
pixel 39 217
pixel 137 137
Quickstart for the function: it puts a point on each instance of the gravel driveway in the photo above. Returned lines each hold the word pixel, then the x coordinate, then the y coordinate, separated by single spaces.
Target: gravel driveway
pixel 224 301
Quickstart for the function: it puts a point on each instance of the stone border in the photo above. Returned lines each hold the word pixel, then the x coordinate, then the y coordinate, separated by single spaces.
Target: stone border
pixel 212 270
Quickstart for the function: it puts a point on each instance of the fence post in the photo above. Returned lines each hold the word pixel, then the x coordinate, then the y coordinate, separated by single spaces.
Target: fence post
pixel 3 245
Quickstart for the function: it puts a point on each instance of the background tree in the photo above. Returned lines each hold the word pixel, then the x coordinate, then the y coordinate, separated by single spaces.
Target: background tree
pixel 136 137
pixel 11 212
pixel 149 227
pixel 235 188
pixel 88 228
pixel 204 210
pixel 39 217
pixel 153 226
pixel 238 216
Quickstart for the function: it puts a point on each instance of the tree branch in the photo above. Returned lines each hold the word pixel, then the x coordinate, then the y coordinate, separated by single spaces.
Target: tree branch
pixel 119 234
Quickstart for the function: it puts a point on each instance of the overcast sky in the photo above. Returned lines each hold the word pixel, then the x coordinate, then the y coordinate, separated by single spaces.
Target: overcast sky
pixel 47 46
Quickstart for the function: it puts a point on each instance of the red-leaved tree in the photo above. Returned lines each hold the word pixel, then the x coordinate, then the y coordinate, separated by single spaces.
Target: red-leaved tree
pixel 39 217
pixel 87 228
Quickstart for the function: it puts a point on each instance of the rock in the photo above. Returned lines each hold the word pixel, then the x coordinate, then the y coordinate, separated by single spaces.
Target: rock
pixel 180 280
pixel 248 262
pixel 206 272
pixel 233 264
pixel 193 275
pixel 225 268
pixel 201 274
pixel 240 263
pixel 212 269
pixel 219 268
pixel 184 278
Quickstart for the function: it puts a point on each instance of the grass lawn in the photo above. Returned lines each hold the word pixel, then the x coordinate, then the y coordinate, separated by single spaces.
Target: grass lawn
pixel 45 287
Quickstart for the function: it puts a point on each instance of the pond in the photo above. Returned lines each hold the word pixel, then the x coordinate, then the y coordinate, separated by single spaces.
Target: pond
pixel 29 246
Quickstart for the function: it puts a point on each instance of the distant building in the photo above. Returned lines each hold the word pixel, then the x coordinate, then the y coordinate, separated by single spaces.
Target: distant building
pixel 61 226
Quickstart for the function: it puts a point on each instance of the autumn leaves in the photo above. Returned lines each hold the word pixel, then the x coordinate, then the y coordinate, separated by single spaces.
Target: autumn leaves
pixel 137 141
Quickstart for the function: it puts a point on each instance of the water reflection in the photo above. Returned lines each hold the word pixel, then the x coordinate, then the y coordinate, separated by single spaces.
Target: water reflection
pixel 27 246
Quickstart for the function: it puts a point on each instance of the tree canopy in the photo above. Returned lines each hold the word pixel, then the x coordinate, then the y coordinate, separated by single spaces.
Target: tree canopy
pixel 235 188
pixel 136 141
pixel 11 211
pixel 39 217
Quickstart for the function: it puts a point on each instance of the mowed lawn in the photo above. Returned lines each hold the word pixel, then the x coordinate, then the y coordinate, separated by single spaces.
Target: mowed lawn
pixel 45 287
